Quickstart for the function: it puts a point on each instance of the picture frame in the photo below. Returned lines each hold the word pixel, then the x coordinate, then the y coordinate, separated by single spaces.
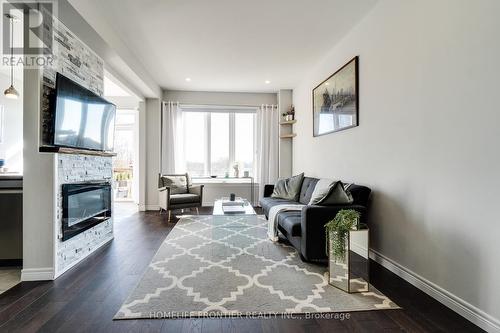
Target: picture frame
pixel 335 101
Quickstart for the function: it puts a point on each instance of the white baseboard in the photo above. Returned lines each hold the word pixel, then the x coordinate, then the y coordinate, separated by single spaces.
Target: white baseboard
pixel 465 309
pixel 359 250
pixel 73 264
pixel 37 274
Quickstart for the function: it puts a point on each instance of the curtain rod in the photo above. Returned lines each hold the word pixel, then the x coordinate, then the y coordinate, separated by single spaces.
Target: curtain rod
pixel 220 105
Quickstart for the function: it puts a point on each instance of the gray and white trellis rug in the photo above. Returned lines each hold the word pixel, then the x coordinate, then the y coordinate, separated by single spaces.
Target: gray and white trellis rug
pixel 227 266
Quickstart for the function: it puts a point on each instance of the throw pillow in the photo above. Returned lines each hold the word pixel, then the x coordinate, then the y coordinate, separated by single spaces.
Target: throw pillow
pixel 178 183
pixel 337 195
pixel 321 189
pixel 288 188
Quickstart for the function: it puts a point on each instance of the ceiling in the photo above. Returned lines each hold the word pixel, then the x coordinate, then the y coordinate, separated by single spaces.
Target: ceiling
pixel 227 45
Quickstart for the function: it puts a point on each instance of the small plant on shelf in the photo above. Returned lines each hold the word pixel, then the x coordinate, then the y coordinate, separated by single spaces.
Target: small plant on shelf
pixel 289 115
pixel 337 230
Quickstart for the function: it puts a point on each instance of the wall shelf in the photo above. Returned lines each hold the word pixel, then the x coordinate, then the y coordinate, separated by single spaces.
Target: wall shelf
pixel 288 122
pixel 288 136
pixel 65 150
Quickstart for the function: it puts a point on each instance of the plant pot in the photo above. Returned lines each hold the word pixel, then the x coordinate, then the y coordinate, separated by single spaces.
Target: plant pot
pixel 348 261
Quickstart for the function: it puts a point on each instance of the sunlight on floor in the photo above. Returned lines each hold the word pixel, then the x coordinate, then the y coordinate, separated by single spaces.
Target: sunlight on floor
pixel 122 210
pixel 9 277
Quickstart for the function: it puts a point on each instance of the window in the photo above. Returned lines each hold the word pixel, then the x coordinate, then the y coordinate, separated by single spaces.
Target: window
pixel 216 140
pixel 195 143
pixel 244 141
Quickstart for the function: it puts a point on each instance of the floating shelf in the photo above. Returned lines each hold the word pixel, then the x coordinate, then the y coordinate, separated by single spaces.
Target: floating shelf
pixel 65 150
pixel 288 136
pixel 288 122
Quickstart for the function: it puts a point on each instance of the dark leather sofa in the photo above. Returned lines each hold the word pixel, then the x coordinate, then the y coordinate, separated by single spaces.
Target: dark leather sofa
pixel 305 229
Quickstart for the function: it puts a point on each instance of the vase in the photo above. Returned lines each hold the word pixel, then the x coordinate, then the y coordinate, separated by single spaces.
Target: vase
pixel 349 271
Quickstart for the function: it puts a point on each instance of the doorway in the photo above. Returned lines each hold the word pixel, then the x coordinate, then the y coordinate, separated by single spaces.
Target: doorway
pixel 124 163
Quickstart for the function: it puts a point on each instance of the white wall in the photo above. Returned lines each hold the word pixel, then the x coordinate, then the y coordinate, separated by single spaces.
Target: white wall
pixel 427 143
pixel 285 144
pixel 219 98
pixel 11 148
pixel 38 193
pixel 141 161
pixel 153 107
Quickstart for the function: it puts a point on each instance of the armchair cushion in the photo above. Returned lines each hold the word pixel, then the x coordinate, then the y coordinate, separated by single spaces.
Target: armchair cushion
pixel 183 198
pixel 178 184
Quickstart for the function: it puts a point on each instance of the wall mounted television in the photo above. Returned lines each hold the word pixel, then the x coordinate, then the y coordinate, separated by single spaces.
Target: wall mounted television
pixel 82 119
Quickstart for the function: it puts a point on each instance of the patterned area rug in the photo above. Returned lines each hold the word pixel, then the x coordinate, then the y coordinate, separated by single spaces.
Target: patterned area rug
pixel 226 266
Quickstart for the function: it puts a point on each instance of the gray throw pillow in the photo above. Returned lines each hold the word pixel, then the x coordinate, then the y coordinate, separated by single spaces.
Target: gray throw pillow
pixel 288 188
pixel 178 184
pixel 337 195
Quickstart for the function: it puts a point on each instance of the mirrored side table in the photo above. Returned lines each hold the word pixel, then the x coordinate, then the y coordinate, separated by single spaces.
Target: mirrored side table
pixel 350 272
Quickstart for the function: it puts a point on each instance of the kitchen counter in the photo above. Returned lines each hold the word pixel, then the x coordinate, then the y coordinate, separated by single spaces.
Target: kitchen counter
pixel 11 183
pixel 11 219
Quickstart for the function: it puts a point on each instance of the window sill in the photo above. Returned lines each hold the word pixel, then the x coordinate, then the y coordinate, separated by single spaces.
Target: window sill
pixel 221 180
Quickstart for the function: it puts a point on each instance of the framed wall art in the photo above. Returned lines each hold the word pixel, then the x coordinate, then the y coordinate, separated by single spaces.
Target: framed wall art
pixel 336 101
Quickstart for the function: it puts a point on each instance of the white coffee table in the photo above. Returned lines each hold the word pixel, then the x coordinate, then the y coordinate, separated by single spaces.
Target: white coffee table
pixel 218 208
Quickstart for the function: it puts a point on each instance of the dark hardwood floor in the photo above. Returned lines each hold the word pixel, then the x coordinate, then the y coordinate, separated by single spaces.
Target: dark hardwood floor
pixel 86 298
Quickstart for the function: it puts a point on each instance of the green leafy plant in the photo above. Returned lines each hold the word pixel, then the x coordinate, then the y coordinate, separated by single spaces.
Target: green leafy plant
pixel 345 220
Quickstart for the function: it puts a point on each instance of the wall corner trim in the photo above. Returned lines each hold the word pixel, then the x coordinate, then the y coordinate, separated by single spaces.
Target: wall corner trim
pixel 37 274
pixel 455 303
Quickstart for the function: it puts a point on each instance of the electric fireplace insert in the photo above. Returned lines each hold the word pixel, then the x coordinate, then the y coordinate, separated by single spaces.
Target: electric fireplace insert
pixel 84 206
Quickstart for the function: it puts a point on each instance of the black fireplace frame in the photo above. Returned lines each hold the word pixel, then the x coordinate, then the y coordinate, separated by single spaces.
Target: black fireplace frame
pixel 75 188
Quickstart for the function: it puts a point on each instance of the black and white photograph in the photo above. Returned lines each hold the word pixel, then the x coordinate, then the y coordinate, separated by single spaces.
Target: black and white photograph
pixel 335 101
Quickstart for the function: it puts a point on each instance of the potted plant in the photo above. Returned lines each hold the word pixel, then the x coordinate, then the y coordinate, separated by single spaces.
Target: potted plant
pixel 337 232
pixel 291 113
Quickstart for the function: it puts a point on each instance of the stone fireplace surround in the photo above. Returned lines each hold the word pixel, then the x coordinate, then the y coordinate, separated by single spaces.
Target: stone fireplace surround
pixel 73 168
pixel 81 64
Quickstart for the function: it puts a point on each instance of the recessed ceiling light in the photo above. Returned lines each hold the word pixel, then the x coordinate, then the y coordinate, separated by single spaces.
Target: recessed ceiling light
pixel 327 83
pixel 188 79
pixel 267 82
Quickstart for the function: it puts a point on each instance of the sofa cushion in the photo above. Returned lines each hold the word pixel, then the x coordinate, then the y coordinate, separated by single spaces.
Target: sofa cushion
pixel 267 203
pixel 337 195
pixel 307 189
pixel 290 222
pixel 177 199
pixel 288 188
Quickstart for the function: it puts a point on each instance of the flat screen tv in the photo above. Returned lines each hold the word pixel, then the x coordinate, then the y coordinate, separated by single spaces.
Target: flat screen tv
pixel 83 119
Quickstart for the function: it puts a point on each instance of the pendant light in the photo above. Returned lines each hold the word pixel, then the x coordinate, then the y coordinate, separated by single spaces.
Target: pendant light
pixel 11 92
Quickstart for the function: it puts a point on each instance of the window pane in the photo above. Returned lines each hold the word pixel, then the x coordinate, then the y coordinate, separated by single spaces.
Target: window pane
pixel 243 134
pixel 219 143
pixel 194 143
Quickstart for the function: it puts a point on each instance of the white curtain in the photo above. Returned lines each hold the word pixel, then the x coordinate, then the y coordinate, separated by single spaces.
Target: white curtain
pixel 267 135
pixel 171 138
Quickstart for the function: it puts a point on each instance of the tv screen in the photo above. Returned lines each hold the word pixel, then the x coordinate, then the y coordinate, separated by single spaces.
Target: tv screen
pixel 82 118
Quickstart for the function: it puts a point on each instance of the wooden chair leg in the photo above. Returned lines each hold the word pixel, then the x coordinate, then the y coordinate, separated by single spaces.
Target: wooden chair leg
pixel 197 211
pixel 169 215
